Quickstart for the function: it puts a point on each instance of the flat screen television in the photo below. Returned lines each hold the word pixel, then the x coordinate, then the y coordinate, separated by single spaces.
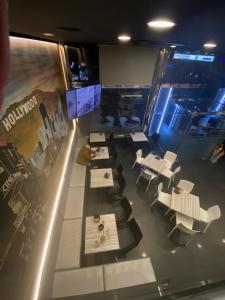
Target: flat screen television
pixel 81 101
pixel 71 104
pixel 85 100
pixel 97 95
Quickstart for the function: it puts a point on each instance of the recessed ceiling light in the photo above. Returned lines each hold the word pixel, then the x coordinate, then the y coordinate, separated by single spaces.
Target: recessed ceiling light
pixel 124 38
pixel 223 240
pixel 173 46
pixel 210 45
pixel 161 24
pixel 48 34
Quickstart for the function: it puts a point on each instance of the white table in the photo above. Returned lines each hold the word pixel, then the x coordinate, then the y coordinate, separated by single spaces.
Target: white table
pixel 96 137
pixel 98 180
pixel 138 137
pixel 186 204
pixel 151 162
pixel 92 234
pixel 103 153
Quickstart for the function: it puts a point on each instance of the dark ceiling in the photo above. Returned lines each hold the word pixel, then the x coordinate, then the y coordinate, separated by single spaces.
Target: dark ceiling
pixel 100 21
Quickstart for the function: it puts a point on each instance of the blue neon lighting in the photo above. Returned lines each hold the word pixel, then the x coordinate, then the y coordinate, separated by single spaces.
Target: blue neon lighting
pixel 221 102
pixel 185 56
pixel 164 110
pixel 173 116
pixel 152 118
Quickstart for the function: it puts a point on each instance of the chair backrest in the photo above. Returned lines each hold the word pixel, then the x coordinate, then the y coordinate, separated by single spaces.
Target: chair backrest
pixel 186 230
pixel 114 155
pixel 177 170
pixel 123 120
pixel 165 198
pixel 170 156
pixel 122 182
pixel 120 168
pixel 139 153
pixel 110 138
pixel 125 204
pixel 160 186
pixel 186 185
pixel 136 231
pixel 214 213
pixel 110 118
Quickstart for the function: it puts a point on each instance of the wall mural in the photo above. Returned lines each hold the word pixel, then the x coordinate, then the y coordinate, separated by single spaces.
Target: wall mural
pixel 32 129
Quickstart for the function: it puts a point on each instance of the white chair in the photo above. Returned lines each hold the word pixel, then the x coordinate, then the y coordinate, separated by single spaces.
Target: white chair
pixel 123 121
pixel 136 119
pixel 139 158
pixel 170 174
pixel 148 175
pixel 186 185
pixel 110 120
pixel 163 198
pixel 170 158
pixel 184 224
pixel 207 216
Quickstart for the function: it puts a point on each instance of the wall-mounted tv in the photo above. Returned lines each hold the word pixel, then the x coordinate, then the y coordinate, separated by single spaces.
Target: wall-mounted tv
pixel 81 101
pixel 85 100
pixel 97 95
pixel 71 104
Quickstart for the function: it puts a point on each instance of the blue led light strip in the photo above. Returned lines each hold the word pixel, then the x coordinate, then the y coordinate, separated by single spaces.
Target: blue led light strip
pixel 164 110
pixel 173 116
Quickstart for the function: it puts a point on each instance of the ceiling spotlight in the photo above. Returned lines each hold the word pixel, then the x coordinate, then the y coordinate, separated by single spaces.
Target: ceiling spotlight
pixel 173 46
pixel 124 38
pixel 161 24
pixel 48 34
pixel 209 45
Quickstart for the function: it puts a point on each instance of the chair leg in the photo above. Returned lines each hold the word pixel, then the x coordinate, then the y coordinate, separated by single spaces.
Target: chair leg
pixel 166 213
pixel 189 240
pixel 134 164
pixel 172 217
pixel 138 178
pixel 148 185
pixel 206 227
pixel 174 228
pixel 153 202
pixel 169 183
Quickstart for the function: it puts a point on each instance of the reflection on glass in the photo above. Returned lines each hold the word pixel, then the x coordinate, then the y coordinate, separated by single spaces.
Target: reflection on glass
pixel 190 104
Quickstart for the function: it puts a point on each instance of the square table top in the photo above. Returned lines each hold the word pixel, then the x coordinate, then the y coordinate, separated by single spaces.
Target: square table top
pixel 185 203
pixel 138 137
pixel 92 234
pixel 151 162
pixel 103 153
pixel 98 180
pixel 96 137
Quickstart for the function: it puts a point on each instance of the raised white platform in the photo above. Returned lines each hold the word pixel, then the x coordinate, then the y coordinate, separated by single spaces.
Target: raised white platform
pixel 128 273
pixel 74 203
pixel 70 244
pixel 78 282
pixel 77 175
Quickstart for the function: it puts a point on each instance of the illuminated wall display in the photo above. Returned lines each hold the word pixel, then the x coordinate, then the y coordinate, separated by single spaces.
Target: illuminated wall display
pixel 33 127
pixel 185 56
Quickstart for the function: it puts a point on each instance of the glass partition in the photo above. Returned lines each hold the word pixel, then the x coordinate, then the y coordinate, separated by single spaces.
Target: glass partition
pixel 189 106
